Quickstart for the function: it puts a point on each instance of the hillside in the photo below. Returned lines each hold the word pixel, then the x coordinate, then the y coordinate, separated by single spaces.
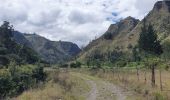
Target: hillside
pixel 124 34
pixel 50 51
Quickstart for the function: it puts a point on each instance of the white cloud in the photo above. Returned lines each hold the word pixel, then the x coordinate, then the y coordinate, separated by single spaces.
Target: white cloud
pixel 77 21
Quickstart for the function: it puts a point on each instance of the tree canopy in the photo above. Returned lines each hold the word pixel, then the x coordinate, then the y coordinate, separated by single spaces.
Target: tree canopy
pixel 148 40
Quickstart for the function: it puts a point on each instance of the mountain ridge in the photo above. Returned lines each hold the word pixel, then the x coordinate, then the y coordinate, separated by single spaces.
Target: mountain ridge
pixel 50 51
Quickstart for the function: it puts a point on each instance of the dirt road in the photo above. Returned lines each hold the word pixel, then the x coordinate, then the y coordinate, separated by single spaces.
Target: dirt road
pixel 103 90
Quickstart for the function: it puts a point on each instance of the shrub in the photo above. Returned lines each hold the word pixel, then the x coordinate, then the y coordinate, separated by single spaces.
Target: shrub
pixel 63 66
pixel 108 36
pixel 130 46
pixel 158 96
pixel 4 61
pixel 75 65
pixel 17 79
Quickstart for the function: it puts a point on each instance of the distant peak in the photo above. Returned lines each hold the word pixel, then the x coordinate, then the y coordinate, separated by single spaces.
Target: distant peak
pixel 129 20
pixel 162 5
pixel 129 17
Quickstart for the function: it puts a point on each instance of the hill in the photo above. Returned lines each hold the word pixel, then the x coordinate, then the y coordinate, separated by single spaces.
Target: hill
pixel 123 36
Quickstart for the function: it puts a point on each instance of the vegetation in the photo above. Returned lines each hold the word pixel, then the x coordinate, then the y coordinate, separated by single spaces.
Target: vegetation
pixel 108 36
pixel 75 64
pixel 17 79
pixel 127 79
pixel 149 43
pixel 16 75
pixel 135 60
pixel 60 84
pixel 11 51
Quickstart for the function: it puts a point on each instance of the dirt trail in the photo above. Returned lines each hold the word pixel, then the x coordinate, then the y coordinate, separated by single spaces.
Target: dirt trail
pixel 103 90
pixel 93 93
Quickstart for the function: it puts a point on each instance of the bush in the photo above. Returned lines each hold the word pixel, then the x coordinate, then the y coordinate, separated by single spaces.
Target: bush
pixel 130 46
pixel 4 61
pixel 63 66
pixel 158 96
pixel 75 65
pixel 108 36
pixel 17 79
pixel 121 63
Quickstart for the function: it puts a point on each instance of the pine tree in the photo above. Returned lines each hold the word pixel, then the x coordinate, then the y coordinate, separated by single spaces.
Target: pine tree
pixel 148 40
pixel 149 43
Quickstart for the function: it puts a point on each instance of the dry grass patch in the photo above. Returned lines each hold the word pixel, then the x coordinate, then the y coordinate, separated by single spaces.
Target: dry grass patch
pixel 128 79
pixel 61 85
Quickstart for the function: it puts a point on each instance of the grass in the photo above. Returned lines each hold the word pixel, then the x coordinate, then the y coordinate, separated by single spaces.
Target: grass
pixel 65 85
pixel 60 85
pixel 127 78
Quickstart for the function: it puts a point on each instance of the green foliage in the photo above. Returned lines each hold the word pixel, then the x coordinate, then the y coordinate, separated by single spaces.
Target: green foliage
pixel 130 46
pixel 3 51
pixel 158 96
pixel 6 33
pixel 108 36
pixel 148 41
pixel 17 79
pixel 97 64
pixel 29 55
pixel 135 54
pixel 121 63
pixel 114 56
pixel 166 49
pixel 4 61
pixel 11 51
pixel 63 65
pixel 75 64
pixel 38 74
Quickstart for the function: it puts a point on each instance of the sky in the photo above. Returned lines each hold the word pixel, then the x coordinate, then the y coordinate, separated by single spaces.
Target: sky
pixel 77 21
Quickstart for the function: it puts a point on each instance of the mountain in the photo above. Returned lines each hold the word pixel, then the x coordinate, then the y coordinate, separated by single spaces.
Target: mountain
pixel 20 39
pixel 124 35
pixel 111 39
pixel 50 51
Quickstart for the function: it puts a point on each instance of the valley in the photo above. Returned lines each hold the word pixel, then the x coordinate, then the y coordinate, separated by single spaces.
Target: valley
pixel 130 61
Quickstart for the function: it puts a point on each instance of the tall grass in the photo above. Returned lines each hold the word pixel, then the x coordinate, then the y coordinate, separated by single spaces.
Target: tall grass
pixel 61 85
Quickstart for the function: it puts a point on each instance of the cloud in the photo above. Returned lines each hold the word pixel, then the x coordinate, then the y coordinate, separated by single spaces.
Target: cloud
pixel 78 21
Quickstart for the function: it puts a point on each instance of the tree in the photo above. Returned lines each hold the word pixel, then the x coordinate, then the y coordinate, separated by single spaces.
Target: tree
pixel 136 58
pixel 6 33
pixel 149 43
pixel 76 64
pixel 108 36
pixel 166 49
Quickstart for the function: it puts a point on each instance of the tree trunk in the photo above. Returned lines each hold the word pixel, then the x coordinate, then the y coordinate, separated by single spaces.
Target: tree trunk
pixel 145 77
pixel 113 71
pixel 137 73
pixel 118 74
pixel 153 76
pixel 160 73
